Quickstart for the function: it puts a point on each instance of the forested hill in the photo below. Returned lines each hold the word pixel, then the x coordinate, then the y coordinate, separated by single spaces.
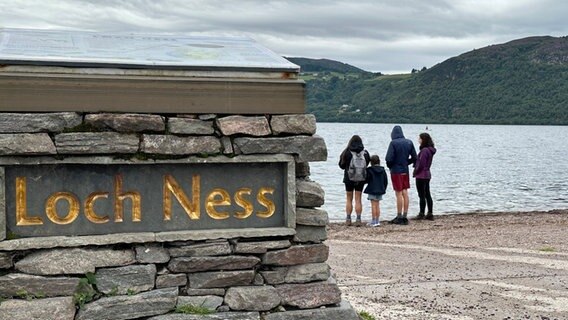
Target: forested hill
pixel 319 65
pixel 520 82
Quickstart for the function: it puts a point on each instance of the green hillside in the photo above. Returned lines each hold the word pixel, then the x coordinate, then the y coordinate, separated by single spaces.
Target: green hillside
pixel 520 82
pixel 319 65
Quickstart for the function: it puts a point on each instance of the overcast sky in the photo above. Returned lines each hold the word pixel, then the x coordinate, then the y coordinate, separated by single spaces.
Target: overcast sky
pixel 382 36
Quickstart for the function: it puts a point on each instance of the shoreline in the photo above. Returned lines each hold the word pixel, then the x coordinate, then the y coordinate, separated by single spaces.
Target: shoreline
pixel 482 265
pixel 469 213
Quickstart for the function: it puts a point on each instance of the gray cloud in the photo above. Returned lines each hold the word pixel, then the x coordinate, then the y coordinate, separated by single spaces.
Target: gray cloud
pixel 381 35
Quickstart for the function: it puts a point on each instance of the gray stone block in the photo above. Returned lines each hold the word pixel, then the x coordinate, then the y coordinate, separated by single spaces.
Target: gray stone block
pixel 293 124
pixel 61 308
pixel 295 255
pixel 220 279
pixel 307 273
pixel 96 143
pixel 227 145
pixel 213 316
pixel 172 145
pixel 305 234
pixel 201 249
pixel 171 280
pixel 208 116
pixel 196 264
pixel 258 280
pixel 309 295
pixel 38 122
pixel 260 298
pixel 151 253
pixel 253 126
pixel 14 284
pixel 126 122
pixel 73 261
pixel 343 312
pixel 258 247
pixel 311 217
pixel 210 302
pixel 144 304
pixel 126 280
pixel 26 144
pixel 302 169
pixel 309 194
pixel 6 261
pixel 307 148
pixel 190 126
pixel 276 276
pixel 205 292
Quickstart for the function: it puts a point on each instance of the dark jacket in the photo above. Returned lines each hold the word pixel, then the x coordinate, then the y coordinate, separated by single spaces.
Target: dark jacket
pixel 400 153
pixel 422 166
pixel 345 158
pixel 377 180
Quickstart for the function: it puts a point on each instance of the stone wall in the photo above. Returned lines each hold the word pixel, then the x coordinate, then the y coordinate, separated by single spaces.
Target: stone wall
pixel 243 277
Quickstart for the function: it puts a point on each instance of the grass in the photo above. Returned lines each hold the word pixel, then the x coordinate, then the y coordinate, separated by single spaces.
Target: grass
pixel 365 315
pixel 547 249
pixel 191 309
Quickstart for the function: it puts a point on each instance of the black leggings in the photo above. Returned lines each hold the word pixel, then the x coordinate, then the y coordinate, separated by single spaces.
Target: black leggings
pixel 423 186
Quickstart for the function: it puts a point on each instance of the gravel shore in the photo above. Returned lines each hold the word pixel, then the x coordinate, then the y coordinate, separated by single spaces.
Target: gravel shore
pixel 498 265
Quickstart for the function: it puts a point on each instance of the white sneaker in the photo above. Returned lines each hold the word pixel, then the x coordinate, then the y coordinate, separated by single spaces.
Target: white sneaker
pixel 378 224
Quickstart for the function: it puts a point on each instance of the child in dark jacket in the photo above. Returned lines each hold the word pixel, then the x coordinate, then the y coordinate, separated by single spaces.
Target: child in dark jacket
pixel 377 183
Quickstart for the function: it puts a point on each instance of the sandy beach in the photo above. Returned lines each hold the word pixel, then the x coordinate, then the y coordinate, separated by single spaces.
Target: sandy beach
pixel 471 266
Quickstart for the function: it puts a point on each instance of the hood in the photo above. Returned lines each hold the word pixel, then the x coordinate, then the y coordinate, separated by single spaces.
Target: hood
pixel 431 149
pixel 397 133
pixel 377 168
pixel 356 146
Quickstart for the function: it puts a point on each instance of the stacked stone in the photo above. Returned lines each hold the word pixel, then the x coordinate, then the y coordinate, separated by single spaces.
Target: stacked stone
pixel 70 133
pixel 271 278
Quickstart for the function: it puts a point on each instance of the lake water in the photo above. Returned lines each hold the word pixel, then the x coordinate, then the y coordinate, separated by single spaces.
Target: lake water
pixel 476 168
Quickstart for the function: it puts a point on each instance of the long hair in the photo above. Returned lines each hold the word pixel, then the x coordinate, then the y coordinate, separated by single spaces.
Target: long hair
pixel 426 140
pixel 354 140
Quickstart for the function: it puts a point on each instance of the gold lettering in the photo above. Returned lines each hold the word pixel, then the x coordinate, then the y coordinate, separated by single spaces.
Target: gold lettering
pixel 119 198
pixel 172 187
pixel 212 202
pixel 22 218
pixel 89 207
pixel 265 202
pixel 51 207
pixel 243 203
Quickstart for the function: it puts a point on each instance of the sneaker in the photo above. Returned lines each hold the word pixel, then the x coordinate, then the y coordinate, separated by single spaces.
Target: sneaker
pixel 376 224
pixel 395 220
pixel 420 216
pixel 404 221
pixel 430 217
pixel 358 223
pixel 348 221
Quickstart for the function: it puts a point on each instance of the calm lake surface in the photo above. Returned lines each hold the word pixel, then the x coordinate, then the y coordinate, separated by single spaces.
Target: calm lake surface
pixel 476 168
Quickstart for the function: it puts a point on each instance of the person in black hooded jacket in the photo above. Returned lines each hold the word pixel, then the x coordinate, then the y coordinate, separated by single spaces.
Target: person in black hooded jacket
pixel 377 183
pixel 353 189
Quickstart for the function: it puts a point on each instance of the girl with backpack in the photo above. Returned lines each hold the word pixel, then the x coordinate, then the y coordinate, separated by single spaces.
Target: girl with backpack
pixel 354 161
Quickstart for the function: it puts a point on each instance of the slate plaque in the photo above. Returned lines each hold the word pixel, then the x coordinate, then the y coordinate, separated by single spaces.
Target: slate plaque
pixel 79 199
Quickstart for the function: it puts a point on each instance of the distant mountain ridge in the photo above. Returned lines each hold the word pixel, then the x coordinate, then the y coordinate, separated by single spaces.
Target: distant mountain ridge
pixel 319 65
pixel 523 81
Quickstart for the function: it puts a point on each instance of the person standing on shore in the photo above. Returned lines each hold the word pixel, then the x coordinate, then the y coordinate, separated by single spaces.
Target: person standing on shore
pixel 377 183
pixel 354 161
pixel 400 155
pixel 423 175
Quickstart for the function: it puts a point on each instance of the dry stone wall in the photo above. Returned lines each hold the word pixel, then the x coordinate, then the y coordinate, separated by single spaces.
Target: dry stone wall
pixel 253 277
